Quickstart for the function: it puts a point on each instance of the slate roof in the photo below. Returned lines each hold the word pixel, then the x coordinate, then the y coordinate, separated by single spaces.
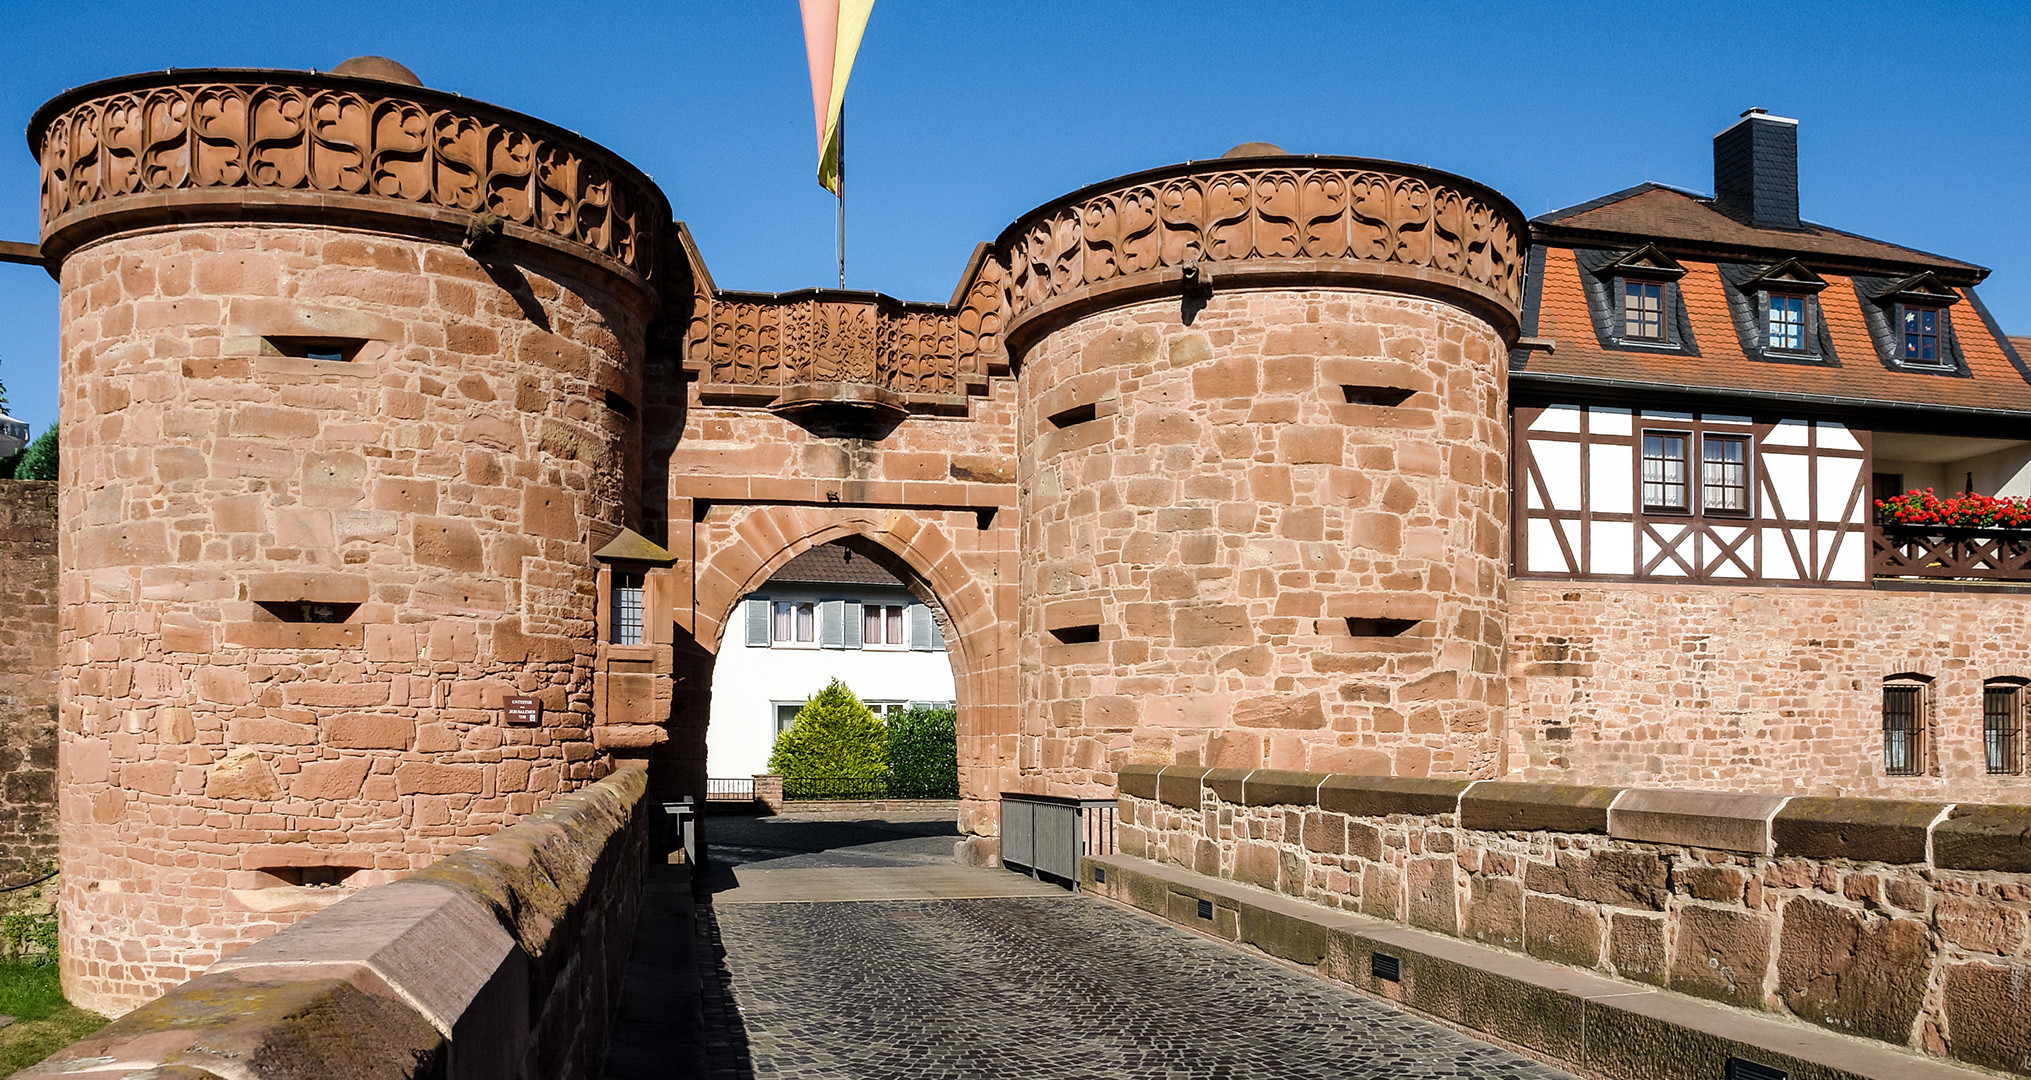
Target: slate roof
pixel 830 564
pixel 1997 373
pixel 1659 213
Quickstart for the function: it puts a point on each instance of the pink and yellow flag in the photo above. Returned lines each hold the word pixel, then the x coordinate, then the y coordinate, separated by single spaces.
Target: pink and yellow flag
pixel 832 30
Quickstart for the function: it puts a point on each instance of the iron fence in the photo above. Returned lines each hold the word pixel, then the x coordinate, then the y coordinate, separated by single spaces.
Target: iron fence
pixel 858 788
pixel 730 789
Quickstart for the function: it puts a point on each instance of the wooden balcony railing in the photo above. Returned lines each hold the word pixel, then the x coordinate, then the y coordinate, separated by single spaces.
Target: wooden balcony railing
pixel 1939 553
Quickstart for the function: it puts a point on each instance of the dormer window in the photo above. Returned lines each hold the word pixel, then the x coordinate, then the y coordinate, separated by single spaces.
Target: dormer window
pixel 1776 308
pixel 1642 304
pixel 1643 310
pixel 1912 322
pixel 1784 322
pixel 1920 327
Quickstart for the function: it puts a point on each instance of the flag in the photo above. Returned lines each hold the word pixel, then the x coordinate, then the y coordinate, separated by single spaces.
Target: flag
pixel 832 30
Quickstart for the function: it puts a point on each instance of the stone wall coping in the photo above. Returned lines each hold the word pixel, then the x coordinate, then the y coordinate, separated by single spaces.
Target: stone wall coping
pixel 1617 1029
pixel 442 973
pixel 1948 835
pixel 1718 820
pixel 1872 830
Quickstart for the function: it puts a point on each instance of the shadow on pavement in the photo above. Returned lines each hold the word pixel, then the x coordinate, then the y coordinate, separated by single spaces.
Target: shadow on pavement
pixel 797 842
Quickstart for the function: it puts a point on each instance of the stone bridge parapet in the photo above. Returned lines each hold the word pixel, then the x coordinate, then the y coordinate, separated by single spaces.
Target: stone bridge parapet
pixel 500 961
pixel 1902 922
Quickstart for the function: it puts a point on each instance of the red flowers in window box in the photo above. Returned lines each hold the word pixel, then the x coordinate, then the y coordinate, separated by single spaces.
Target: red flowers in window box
pixel 1966 510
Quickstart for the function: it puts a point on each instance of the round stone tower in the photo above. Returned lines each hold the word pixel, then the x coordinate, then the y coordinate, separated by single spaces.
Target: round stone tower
pixel 1263 498
pixel 351 371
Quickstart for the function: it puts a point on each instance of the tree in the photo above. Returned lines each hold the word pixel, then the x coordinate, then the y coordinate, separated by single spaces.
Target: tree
pixel 38 462
pixel 833 735
pixel 923 751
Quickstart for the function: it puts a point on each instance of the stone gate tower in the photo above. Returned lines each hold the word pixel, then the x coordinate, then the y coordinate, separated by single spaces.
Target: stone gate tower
pixel 351 373
pixel 1263 508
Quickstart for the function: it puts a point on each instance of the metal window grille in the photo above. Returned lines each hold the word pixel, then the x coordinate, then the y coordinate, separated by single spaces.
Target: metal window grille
pixel 1900 730
pixel 627 613
pixel 1724 474
pixel 1785 329
pixel 2000 724
pixel 1643 311
pixel 1665 479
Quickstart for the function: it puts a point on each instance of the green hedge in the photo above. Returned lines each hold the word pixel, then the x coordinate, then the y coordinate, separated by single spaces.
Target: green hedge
pixel 923 748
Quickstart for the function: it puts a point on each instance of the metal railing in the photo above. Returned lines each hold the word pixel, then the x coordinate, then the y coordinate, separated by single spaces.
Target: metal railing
pixel 730 789
pixel 1045 836
pixel 861 788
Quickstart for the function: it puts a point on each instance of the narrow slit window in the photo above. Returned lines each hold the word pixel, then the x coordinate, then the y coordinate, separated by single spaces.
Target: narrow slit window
pixel 1643 310
pixel 1380 627
pixel 1724 475
pixel 329 350
pixel 1077 635
pixel 627 608
pixel 1077 414
pixel 2002 723
pixel 1901 729
pixel 308 611
pixel 1666 480
pixel 1387 396
pixel 1784 329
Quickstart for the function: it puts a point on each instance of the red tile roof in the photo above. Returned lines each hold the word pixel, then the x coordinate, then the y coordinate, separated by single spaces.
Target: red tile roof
pixel 1858 374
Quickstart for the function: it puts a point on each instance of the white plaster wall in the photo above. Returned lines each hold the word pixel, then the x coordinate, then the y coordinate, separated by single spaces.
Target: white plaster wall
pixel 747 680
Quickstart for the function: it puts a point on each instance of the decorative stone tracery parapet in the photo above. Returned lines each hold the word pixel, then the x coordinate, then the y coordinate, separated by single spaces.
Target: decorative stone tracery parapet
pixel 1281 219
pixel 240 144
pixel 755 346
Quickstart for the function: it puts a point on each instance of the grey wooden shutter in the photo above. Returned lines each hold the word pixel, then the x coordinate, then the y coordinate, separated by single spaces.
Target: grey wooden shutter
pixel 758 621
pixel 831 624
pixel 922 627
pixel 937 631
pixel 853 624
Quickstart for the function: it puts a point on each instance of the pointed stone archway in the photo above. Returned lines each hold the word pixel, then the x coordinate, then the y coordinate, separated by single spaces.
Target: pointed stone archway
pixel 959 562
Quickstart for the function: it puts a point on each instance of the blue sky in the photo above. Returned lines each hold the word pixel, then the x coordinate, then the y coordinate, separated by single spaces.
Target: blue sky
pixel 1916 119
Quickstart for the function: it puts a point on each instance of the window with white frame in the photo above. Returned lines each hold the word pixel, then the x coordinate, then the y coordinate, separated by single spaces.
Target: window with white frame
pixel 881 626
pixel 794 623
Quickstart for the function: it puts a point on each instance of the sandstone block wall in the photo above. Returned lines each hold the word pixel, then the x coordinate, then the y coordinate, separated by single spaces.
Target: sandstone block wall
pixel 502 960
pixel 1263 529
pixel 28 682
pixel 1908 923
pixel 226 755
pixel 1755 689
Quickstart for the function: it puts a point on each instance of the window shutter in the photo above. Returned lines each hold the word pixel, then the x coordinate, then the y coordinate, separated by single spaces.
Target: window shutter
pixel 922 626
pixel 937 633
pixel 832 624
pixel 853 616
pixel 758 621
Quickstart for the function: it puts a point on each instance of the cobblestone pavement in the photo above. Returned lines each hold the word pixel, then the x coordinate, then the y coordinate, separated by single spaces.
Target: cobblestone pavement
pixel 1058 986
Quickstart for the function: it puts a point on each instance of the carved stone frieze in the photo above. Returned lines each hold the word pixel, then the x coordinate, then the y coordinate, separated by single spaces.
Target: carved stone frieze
pixel 1301 214
pixel 197 136
pixel 760 342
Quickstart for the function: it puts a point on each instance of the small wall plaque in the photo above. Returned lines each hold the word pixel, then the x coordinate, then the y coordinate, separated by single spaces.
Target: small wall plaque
pixel 522 710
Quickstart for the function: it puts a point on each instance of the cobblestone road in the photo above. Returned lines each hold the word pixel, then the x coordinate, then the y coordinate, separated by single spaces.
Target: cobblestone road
pixel 1048 986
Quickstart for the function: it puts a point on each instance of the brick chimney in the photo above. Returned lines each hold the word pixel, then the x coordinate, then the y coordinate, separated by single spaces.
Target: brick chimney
pixel 1756 171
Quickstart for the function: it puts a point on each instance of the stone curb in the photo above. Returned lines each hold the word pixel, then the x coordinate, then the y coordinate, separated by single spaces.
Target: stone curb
pixel 1612 1029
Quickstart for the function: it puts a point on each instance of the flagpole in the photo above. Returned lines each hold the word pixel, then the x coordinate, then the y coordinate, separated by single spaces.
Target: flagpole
pixel 841 134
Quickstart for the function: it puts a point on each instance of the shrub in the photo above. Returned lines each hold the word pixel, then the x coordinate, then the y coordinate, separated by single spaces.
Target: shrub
pixel 833 735
pixel 38 462
pixel 923 749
